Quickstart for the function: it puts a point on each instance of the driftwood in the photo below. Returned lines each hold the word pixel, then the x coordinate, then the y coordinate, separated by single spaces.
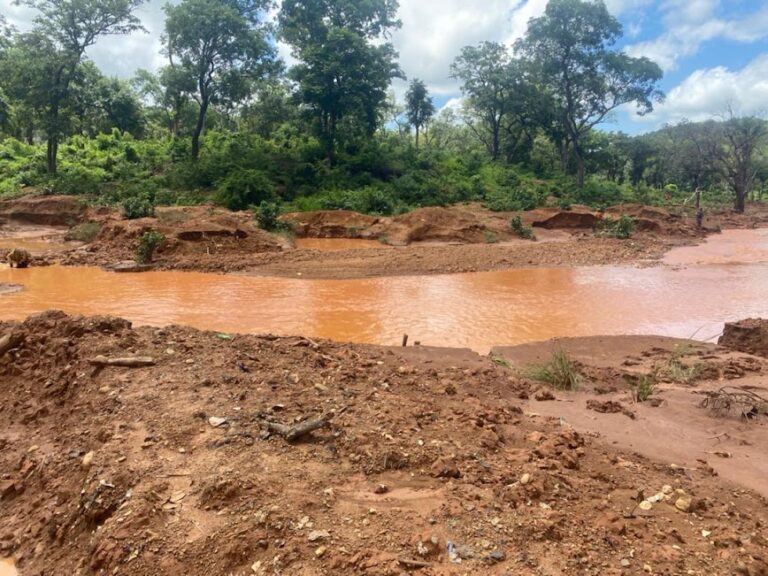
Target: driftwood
pixel 295 432
pixel 132 362
pixel 9 342
pixel 408 563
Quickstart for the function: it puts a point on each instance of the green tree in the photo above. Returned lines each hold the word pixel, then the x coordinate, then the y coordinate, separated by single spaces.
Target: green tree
pixel 223 45
pixel 570 49
pixel 51 53
pixel 167 93
pixel 345 63
pixel 419 106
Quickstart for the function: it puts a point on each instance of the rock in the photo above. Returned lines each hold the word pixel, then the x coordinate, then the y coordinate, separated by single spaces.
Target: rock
pixel 544 395
pixel 496 556
pixel 750 336
pixel 381 489
pixel 216 421
pixel 625 563
pixel 683 503
pixel 445 468
pixel 525 479
pixel 87 460
pixel 316 535
pixel 319 552
pixel 645 505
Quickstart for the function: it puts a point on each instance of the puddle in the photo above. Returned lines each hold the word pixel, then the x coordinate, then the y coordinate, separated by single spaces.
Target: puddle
pixel 335 244
pixel 7 567
pixel 729 247
pixel 475 310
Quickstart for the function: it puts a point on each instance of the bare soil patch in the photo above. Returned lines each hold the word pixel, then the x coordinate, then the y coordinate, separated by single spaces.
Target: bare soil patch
pixel 432 463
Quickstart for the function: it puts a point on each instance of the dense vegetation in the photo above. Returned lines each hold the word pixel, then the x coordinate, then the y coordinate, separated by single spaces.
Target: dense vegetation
pixel 225 122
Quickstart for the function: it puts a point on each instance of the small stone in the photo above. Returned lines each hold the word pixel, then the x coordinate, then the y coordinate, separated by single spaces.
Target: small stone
pixel 525 479
pixel 645 505
pixel 625 563
pixel 87 460
pixel 497 556
pixel 320 551
pixel 683 503
pixel 667 489
pixel 316 535
pixel 647 568
pixel 216 421
pixel 381 489
pixel 706 533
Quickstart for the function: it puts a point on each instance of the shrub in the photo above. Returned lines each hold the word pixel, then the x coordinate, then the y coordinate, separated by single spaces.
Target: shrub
pixel 514 200
pixel 622 228
pixel 85 232
pixel 243 188
pixel 519 229
pixel 561 372
pixel 148 243
pixel 77 179
pixel 643 390
pixel 137 207
pixel 491 237
pixel 266 216
pixel 599 192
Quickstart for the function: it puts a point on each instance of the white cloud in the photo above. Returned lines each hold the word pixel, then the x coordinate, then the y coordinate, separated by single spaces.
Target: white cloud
pixel 691 23
pixel 707 93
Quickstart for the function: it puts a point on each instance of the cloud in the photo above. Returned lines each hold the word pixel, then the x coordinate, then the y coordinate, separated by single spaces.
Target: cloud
pixel 707 93
pixel 691 23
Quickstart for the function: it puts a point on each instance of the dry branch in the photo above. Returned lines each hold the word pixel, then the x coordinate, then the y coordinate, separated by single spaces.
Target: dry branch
pixel 730 400
pixel 133 362
pixel 295 432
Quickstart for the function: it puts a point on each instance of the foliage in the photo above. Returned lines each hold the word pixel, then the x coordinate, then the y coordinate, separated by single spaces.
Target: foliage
pixel 267 216
pixel 519 229
pixel 419 107
pixel 137 207
pixel 622 227
pixel 644 388
pixel 560 372
pixel 149 241
pixel 242 188
pixel 85 232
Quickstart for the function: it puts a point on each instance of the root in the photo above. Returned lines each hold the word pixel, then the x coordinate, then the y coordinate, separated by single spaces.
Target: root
pixel 735 401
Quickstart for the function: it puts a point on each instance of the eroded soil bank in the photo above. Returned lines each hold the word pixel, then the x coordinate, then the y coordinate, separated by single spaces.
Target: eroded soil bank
pixel 461 238
pixel 430 458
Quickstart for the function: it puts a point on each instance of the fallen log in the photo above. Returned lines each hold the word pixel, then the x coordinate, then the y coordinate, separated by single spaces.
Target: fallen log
pixel 132 362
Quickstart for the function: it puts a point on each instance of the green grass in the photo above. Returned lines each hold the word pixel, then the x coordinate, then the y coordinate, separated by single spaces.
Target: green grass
pixel 560 372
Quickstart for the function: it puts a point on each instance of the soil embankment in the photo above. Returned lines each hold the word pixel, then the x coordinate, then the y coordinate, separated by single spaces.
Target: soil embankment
pixel 164 451
pixel 461 238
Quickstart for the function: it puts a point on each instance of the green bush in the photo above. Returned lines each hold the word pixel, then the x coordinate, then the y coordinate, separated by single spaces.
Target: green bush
pixel 137 207
pixel 243 188
pixel 76 179
pixel 266 216
pixel 148 243
pixel 622 228
pixel 561 372
pixel 519 229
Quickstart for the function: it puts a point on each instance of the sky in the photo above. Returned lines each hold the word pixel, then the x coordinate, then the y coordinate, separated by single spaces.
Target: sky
pixel 714 53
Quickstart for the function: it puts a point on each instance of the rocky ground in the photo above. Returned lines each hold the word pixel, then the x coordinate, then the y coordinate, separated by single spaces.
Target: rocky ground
pixel 171 451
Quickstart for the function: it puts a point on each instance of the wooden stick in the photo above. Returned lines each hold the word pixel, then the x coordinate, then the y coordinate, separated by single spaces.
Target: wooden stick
pixel 405 340
pixel 408 563
pixel 134 362
pixel 296 431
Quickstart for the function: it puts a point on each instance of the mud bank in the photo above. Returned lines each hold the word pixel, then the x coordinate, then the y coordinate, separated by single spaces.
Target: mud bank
pixel 430 461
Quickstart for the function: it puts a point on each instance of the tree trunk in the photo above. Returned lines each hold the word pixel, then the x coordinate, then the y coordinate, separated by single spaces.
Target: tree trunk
pixel 51 154
pixel 579 165
pixel 199 129
pixel 741 197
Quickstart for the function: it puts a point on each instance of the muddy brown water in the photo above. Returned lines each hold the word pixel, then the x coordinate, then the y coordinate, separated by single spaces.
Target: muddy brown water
pixel 477 310
pixel 7 567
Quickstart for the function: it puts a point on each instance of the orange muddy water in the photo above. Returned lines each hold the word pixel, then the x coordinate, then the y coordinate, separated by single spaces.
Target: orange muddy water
pixel 475 310
pixel 7 568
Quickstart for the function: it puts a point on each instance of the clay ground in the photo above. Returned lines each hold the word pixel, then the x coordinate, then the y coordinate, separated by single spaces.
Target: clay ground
pixel 435 462
pixel 462 238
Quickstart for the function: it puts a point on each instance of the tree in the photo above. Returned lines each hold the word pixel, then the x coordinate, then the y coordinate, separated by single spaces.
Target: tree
pixel 223 46
pixel 63 31
pixel 570 50
pixel 168 93
pixel 345 63
pixel 419 106
pixel 734 146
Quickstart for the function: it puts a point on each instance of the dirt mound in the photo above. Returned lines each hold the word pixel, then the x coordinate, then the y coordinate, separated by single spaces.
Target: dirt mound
pixel 750 336
pixel 424 460
pixel 197 238
pixel 44 210
pixel 551 219
pixel 331 224
pixel 435 224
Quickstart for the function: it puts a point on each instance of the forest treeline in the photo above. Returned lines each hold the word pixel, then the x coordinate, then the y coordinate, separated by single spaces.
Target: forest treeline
pixel 226 120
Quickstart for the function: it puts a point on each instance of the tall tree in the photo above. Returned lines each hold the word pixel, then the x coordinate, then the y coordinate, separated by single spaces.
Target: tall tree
pixel 419 107
pixel 570 47
pixel 223 45
pixel 734 147
pixel 63 31
pixel 345 61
